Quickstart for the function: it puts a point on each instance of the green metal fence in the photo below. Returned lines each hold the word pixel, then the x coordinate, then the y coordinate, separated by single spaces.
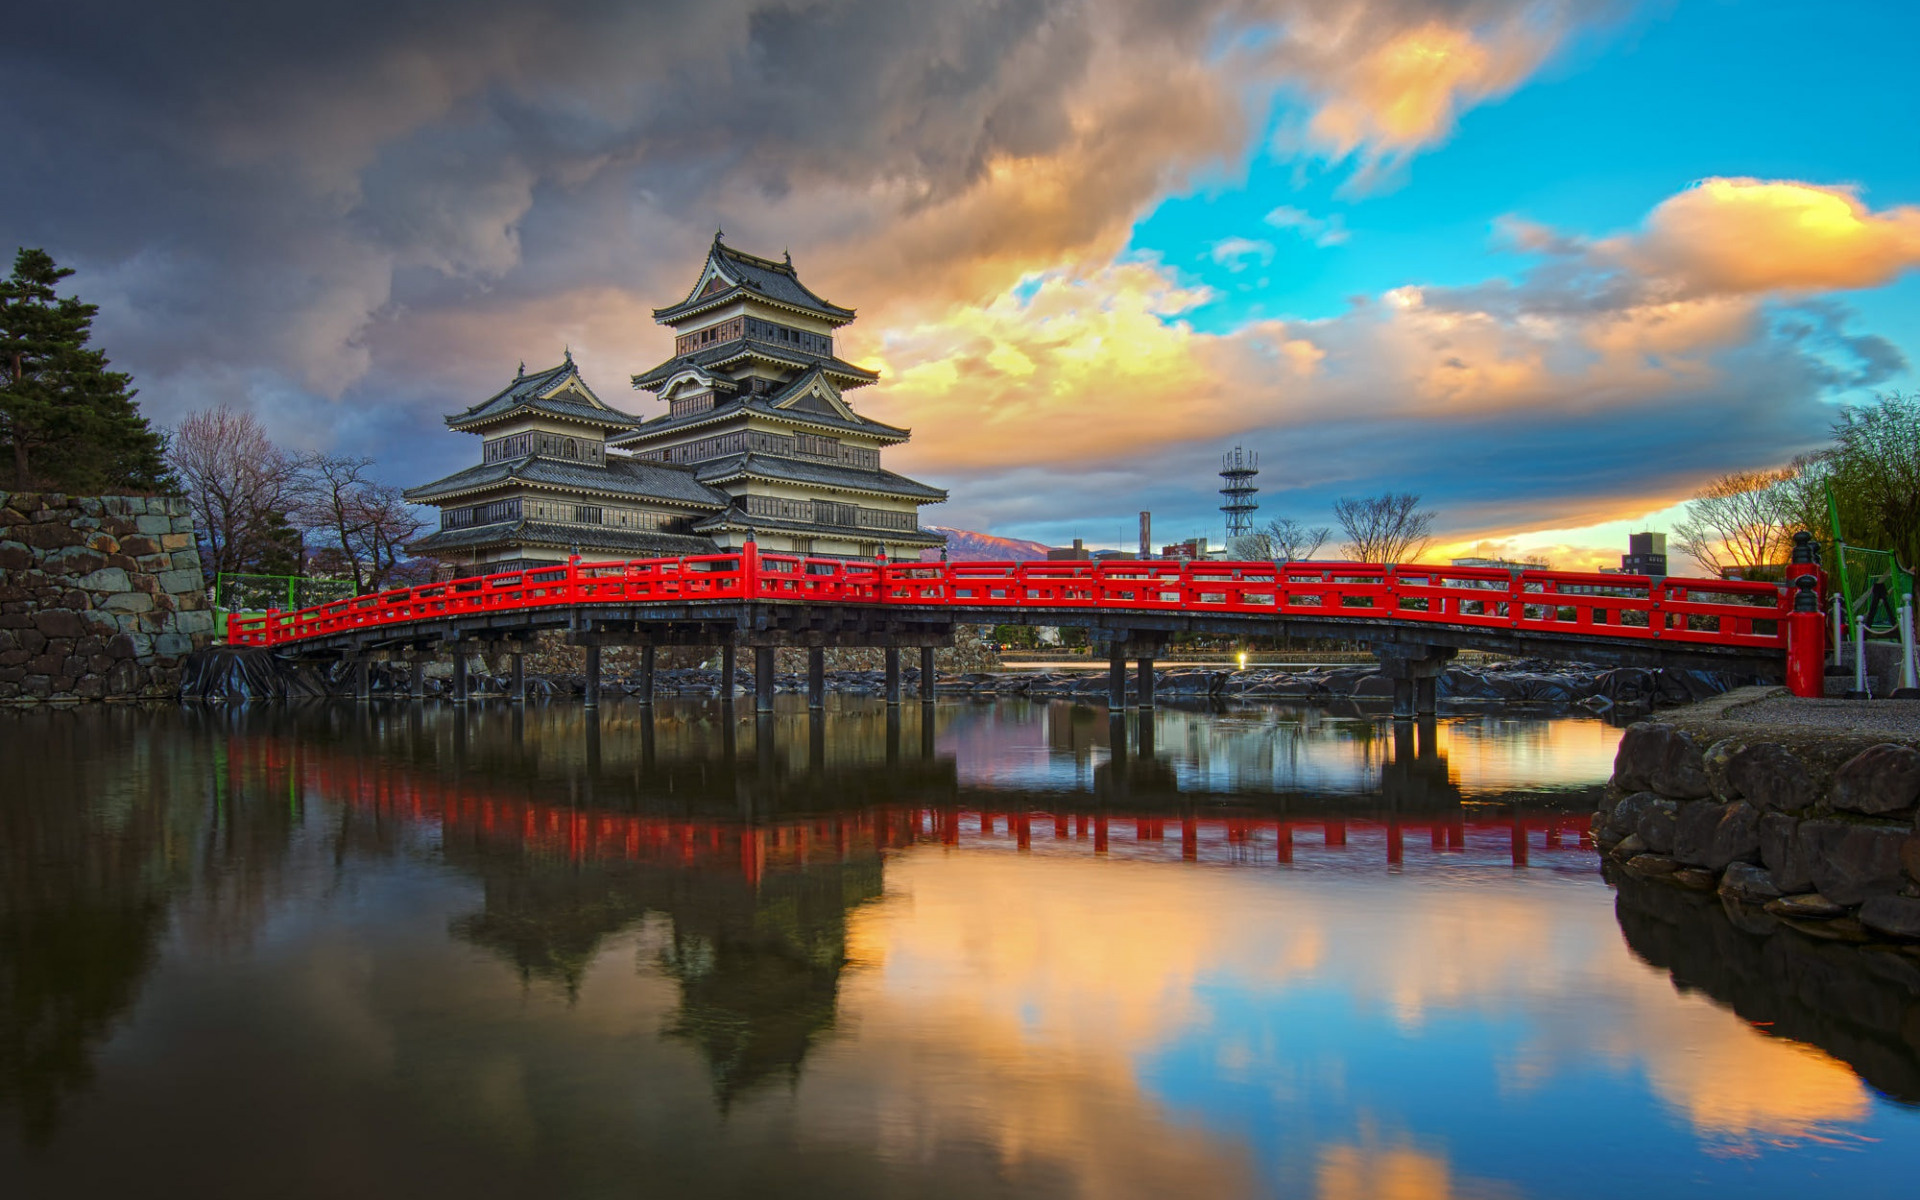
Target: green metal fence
pixel 258 593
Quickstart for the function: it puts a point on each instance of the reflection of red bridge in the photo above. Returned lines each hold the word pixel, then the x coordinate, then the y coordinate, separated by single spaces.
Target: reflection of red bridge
pixel 474 806
pixel 1412 614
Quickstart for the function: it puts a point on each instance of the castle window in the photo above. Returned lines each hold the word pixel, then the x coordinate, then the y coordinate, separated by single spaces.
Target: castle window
pixel 587 514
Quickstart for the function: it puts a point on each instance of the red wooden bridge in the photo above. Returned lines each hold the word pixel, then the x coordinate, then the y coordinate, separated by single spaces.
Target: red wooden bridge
pixel 1414 616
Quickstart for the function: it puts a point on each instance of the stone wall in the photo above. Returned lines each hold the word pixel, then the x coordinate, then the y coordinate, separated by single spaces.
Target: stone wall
pixel 101 597
pixel 1809 827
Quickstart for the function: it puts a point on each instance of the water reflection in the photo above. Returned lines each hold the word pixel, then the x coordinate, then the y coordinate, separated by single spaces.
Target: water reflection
pixel 1013 949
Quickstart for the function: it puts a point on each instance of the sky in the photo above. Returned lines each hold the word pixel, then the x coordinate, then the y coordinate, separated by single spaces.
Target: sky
pixel 1551 265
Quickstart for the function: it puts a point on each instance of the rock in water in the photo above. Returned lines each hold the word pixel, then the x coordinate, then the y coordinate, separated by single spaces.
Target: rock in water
pixel 1649 865
pixel 1806 906
pixel 1894 916
pixel 1748 884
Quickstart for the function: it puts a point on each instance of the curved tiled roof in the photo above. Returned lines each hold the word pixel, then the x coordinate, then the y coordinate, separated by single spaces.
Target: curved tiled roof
pixel 777 281
pixel 741 347
pixel 761 406
pixel 833 475
pixel 735 519
pixel 526 394
pixel 630 542
pixel 621 476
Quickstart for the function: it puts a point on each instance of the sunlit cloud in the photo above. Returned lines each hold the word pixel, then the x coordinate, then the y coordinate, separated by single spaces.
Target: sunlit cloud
pixel 1580 357
pixel 1379 102
pixel 1741 236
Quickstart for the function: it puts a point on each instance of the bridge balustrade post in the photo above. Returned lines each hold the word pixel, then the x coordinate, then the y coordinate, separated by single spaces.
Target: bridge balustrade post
pixel 1806 642
pixel 893 676
pixel 926 675
pixel 816 677
pixel 763 679
pixel 593 675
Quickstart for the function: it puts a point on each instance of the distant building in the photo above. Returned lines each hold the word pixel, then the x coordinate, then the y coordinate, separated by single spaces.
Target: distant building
pixel 1193 549
pixel 1646 554
pixel 758 443
pixel 1068 553
pixel 1504 564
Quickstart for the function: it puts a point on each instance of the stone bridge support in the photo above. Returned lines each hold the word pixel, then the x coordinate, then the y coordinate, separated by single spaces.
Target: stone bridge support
pixel 1415 673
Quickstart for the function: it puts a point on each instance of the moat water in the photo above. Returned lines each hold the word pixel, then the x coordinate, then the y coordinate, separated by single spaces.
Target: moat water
pixel 1001 949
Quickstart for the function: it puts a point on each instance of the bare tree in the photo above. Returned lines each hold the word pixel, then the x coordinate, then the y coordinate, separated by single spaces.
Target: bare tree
pixel 1294 542
pixel 387 524
pixel 1388 528
pixel 332 511
pixel 1739 521
pixel 239 484
pixel 359 525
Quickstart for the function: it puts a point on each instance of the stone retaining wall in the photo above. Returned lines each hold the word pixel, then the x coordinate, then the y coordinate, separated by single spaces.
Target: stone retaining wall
pixel 101 597
pixel 1810 827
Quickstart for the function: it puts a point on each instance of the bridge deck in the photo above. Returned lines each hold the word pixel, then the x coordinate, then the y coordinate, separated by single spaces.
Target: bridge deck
pixel 766 599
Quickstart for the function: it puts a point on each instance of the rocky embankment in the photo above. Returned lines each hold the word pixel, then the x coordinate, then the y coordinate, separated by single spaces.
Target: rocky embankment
pixel 229 674
pixel 1806 826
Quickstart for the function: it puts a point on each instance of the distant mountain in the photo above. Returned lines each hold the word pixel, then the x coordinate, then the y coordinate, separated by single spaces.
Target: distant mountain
pixel 964 545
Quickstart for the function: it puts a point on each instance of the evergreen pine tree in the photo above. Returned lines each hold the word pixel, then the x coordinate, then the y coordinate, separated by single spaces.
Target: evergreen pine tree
pixel 66 421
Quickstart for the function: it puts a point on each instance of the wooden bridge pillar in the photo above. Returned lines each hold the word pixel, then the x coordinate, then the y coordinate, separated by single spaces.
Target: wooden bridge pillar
pixel 816 677
pixel 519 658
pixel 893 676
pixel 1117 675
pixel 362 679
pixel 459 677
pixel 417 677
pixel 926 675
pixel 763 679
pixel 593 675
pixel 729 668
pixel 1414 671
pixel 646 673
pixel 1146 682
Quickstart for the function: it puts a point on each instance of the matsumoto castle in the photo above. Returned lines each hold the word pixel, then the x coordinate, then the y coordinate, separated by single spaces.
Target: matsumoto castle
pixel 758 444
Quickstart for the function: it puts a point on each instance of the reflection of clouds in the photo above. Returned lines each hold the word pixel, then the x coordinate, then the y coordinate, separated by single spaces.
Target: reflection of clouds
pixel 1075 957
pixel 1734 1082
pixel 1373 1172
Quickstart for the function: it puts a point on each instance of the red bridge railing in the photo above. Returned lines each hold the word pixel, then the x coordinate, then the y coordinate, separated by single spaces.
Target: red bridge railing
pixel 1631 607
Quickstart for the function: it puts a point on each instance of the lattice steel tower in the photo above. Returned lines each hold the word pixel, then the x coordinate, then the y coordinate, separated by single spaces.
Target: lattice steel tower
pixel 1237 470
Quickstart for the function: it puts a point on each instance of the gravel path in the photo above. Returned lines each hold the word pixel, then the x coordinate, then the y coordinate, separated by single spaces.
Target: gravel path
pixel 1900 717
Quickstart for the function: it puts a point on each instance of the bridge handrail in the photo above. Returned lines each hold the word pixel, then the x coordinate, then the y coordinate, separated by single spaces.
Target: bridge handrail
pixel 1634 607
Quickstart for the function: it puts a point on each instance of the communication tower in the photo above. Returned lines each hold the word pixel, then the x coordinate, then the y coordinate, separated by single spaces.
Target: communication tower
pixel 1237 470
